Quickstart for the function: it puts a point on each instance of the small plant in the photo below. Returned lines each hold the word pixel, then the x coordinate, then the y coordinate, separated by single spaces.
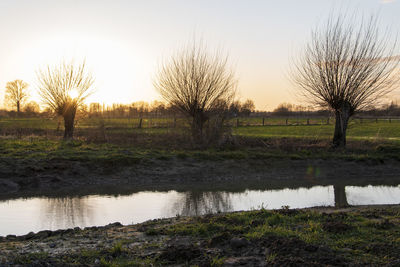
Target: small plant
pixel 151 232
pixel 270 257
pixel 274 220
pixel 262 207
pixel 116 250
pixel 217 261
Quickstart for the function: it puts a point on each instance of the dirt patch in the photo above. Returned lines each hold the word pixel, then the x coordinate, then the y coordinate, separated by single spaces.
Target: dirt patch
pixel 294 251
pixel 388 250
pixel 180 253
pixel 336 227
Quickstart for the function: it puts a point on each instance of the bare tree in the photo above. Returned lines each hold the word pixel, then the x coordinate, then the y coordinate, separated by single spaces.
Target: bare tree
pixel 63 88
pixel 247 107
pixel 347 66
pixel 31 108
pixel 198 84
pixel 16 93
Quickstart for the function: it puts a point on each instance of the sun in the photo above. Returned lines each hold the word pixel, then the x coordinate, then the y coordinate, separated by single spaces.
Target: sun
pixel 73 93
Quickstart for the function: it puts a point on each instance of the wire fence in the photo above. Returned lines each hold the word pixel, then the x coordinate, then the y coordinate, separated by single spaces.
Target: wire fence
pixel 175 122
pixel 124 130
pixel 171 122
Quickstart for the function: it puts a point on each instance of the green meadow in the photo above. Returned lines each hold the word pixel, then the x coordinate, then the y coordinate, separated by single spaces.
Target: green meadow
pixel 382 130
pixel 316 128
pixel 122 142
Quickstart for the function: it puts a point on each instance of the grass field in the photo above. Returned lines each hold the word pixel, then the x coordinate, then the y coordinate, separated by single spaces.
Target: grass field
pixel 365 129
pixel 121 140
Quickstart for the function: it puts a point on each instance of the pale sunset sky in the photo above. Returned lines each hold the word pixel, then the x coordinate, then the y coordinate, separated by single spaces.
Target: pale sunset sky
pixel 123 42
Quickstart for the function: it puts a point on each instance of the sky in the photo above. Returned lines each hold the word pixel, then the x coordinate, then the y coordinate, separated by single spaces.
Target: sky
pixel 123 42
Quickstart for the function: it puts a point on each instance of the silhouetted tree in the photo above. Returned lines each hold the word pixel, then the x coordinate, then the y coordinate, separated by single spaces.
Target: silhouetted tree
pixel 284 109
pixel 234 108
pixel 346 67
pixel 31 108
pixel 196 83
pixel 157 107
pixel 247 107
pixel 16 93
pixel 63 88
pixel 95 109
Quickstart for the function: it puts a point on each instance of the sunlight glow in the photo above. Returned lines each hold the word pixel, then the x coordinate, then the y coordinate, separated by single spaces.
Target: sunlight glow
pixel 120 71
pixel 73 93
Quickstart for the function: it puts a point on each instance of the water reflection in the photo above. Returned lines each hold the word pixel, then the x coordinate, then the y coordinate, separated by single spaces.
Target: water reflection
pixel 197 203
pixel 66 211
pixel 340 195
pixel 20 216
pixel 373 195
pixel 275 199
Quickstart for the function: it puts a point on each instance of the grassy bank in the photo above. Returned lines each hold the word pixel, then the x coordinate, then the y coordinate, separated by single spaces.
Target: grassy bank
pixel 32 166
pixel 39 149
pixel 324 236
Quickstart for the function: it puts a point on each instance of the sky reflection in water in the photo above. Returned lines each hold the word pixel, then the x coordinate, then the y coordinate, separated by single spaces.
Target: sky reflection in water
pixel 21 216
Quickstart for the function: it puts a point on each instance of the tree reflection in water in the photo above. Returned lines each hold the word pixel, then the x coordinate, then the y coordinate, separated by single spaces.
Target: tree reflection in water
pixel 340 195
pixel 197 203
pixel 66 212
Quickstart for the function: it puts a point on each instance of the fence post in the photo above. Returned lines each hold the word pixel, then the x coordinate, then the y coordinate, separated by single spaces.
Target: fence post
pixel 237 122
pixel 308 121
pixel 360 120
pixel 263 121
pixel 327 121
pixel 390 120
pixel 174 122
pixel 376 120
pixel 140 123
pixel 286 121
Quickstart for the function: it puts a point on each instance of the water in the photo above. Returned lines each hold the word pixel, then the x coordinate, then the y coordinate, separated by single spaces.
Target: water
pixel 20 216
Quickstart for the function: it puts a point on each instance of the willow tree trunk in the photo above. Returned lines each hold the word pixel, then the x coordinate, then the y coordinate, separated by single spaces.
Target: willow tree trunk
pixel 69 119
pixel 197 127
pixel 18 107
pixel 342 117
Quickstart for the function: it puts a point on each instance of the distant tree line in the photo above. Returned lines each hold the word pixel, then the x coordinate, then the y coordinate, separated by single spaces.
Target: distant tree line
pixel 133 110
pixel 392 109
pixel 289 110
pixel 242 109
pixel 158 109
pixel 292 110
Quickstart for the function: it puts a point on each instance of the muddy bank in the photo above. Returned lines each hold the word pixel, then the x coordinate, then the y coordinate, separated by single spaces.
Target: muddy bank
pixel 20 177
pixel 312 237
